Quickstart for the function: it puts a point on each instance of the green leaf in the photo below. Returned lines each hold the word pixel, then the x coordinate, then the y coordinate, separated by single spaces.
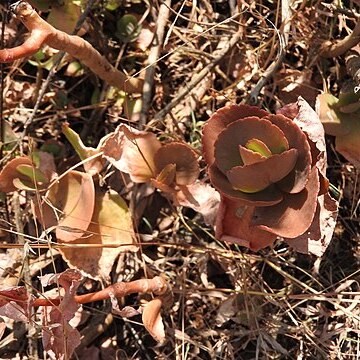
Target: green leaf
pixel 32 173
pixel 128 28
pixel 259 147
pixel 112 5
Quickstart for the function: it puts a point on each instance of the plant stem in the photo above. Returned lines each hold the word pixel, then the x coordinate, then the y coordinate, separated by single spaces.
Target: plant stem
pixel 42 32
pixel 157 285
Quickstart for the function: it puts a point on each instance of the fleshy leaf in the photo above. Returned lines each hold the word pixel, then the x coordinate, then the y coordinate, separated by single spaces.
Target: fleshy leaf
pixel 267 197
pixel 259 147
pixel 317 238
pixel 185 159
pixel 72 201
pixel 111 224
pixel 256 177
pixel 250 157
pixel 233 224
pixel 239 133
pixel 349 145
pixel 167 174
pixel 132 151
pixel 32 173
pixel 9 173
pixel 220 120
pixel 345 126
pixel 333 121
pixel 294 215
pixel 152 319
pixel 94 166
pixel 298 178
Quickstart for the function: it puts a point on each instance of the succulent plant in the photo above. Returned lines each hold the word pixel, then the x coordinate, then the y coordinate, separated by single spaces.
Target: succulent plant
pixel 268 172
pixel 170 167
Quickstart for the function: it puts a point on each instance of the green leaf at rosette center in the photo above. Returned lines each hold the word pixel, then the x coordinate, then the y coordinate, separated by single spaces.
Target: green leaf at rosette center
pixel 259 147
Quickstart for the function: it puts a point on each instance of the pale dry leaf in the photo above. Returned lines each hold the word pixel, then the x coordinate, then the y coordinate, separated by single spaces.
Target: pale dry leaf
pixel 15 303
pixel 59 338
pixel 132 151
pixel 111 224
pixel 202 198
pixel 152 319
pixel 318 237
pixel 2 328
pixel 72 201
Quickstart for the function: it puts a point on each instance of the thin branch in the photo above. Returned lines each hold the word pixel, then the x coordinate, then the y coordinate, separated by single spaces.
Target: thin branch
pixel 283 42
pixel 153 58
pixel 186 90
pixel 330 49
pixel 43 33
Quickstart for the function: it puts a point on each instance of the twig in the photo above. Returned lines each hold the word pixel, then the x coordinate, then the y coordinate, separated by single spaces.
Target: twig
pixel 184 92
pixel 152 60
pixel 329 49
pixel 24 272
pixel 283 41
pixel 43 33
pixel 157 285
pixel 352 61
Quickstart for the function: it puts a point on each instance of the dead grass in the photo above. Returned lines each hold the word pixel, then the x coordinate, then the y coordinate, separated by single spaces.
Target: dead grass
pixel 229 303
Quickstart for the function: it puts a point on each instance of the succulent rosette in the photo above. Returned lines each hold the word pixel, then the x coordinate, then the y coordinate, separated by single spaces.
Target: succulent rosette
pixel 268 172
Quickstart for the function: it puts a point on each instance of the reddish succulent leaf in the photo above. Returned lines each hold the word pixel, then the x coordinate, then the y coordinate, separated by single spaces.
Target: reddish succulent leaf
pixel 294 215
pixel 317 238
pixel 239 133
pixel 298 178
pixel 72 198
pixel 220 120
pixel 267 197
pixel 233 224
pixel 59 338
pixel 15 303
pixel 202 198
pixel 249 157
pixel 111 223
pixel 258 176
pixel 185 159
pixel 163 187
pixel 9 173
pixel 132 151
pixel 167 175
pixel 152 319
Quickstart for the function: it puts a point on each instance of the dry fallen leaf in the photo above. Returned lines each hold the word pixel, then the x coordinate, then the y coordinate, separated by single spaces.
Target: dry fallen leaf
pixel 68 206
pixel 59 338
pixel 111 223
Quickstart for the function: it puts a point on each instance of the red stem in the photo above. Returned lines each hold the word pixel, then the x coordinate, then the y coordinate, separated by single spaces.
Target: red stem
pixel 157 285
